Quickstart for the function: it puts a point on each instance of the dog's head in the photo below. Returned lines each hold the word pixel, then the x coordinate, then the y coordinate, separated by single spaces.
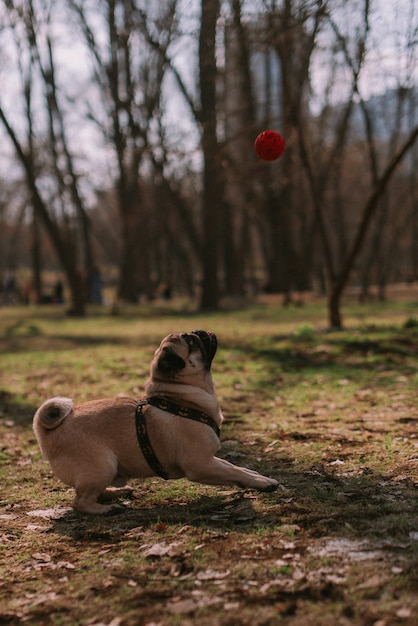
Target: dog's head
pixel 185 353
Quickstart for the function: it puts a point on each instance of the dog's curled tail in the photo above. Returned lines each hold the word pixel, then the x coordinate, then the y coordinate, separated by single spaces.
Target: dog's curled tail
pixel 53 412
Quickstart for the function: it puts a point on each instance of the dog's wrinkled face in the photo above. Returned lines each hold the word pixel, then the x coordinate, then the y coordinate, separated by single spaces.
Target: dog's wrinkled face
pixel 192 351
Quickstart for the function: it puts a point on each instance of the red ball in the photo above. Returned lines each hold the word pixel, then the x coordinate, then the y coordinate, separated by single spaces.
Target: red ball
pixel 269 145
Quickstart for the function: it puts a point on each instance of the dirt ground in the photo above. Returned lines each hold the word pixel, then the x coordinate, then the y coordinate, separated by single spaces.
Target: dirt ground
pixel 337 544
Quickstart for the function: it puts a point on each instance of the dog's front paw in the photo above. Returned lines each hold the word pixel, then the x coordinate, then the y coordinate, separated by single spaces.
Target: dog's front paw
pixel 261 483
pixel 269 485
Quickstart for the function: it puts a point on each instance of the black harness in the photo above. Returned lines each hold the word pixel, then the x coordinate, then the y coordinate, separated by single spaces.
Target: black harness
pixel 175 409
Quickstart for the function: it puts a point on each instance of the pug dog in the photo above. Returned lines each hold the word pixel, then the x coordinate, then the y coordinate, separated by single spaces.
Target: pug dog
pixel 173 432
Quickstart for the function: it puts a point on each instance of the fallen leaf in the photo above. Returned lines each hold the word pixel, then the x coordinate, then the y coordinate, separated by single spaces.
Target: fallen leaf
pixel 288 545
pixel 135 533
pixel 211 574
pixel 184 528
pixel 116 621
pixel 34 527
pixel 158 549
pixel 375 582
pixel 65 564
pixel 42 556
pixel 45 597
pixel 231 606
pixel 182 607
pixel 298 574
pixel 49 513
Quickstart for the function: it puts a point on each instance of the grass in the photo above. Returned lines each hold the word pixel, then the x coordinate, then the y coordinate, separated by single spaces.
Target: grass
pixel 332 415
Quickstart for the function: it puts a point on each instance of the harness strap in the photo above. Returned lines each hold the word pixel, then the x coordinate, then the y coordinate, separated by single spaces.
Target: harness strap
pixel 183 411
pixel 175 409
pixel 144 442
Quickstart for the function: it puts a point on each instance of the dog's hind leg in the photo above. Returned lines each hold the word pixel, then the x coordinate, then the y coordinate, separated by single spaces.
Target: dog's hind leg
pixel 86 501
pixel 92 486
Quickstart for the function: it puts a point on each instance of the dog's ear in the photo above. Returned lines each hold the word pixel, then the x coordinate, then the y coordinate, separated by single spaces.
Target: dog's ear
pixel 170 361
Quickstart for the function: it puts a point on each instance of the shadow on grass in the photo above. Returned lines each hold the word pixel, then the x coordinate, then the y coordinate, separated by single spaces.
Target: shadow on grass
pixel 204 511
pixel 337 356
pixel 388 346
pixel 36 342
pixel 17 412
pixel 314 502
pixel 21 337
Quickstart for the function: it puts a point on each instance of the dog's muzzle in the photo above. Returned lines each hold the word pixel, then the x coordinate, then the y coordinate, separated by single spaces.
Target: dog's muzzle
pixel 209 343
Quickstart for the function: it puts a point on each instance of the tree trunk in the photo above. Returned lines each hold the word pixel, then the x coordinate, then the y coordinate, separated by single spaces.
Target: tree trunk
pixel 36 259
pixel 134 267
pixel 77 288
pixel 212 191
pixel 334 314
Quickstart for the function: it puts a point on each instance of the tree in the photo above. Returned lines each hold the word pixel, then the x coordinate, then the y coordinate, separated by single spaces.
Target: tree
pixel 128 78
pixel 187 209
pixel 322 154
pixel 369 209
pixel 52 183
pixel 212 177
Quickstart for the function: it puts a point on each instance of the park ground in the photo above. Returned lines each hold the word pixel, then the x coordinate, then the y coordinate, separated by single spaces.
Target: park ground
pixel 332 415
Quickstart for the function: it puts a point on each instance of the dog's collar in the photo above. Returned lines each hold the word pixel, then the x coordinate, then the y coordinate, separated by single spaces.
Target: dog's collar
pixel 170 407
